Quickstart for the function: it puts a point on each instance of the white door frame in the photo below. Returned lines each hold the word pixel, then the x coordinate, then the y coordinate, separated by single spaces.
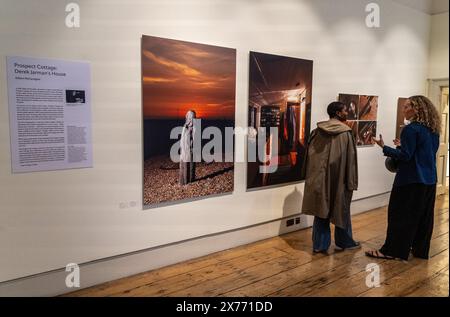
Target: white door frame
pixel 434 92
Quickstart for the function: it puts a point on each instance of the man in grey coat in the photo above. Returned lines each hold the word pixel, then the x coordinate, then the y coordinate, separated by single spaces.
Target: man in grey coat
pixel 331 175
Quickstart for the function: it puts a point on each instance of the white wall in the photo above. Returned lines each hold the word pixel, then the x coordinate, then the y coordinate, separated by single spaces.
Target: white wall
pixel 49 219
pixel 439 46
pixel 420 5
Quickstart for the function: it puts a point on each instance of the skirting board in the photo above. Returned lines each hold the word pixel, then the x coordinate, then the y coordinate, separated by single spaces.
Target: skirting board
pixel 103 270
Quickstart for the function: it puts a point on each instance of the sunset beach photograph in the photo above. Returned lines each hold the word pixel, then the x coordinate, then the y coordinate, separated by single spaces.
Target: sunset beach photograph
pixel 190 86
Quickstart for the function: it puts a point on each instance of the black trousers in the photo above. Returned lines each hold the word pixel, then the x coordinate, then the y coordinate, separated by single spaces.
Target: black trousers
pixel 410 221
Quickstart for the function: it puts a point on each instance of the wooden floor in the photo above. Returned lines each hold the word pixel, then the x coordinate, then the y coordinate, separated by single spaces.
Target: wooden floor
pixel 285 266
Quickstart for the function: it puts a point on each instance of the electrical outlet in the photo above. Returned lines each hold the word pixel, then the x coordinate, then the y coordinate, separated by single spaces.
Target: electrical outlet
pixel 123 205
pixel 127 204
pixel 290 222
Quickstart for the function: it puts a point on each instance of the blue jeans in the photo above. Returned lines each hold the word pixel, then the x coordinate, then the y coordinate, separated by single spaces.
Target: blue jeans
pixel 321 237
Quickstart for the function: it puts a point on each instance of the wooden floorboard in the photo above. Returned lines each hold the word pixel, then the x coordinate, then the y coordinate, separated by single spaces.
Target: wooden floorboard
pixel 285 266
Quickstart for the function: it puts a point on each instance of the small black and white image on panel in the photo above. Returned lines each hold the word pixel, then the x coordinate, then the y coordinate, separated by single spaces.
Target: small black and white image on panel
pixel 75 96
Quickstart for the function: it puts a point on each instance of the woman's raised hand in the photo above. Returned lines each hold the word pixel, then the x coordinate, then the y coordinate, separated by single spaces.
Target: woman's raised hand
pixel 380 142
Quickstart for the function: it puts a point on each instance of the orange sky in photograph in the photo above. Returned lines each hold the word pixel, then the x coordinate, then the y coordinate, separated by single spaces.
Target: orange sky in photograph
pixel 179 76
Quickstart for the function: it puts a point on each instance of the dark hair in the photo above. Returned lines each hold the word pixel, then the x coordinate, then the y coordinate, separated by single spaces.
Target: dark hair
pixel 335 107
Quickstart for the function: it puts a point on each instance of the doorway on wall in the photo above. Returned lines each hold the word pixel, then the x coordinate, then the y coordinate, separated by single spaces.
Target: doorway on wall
pixel 438 93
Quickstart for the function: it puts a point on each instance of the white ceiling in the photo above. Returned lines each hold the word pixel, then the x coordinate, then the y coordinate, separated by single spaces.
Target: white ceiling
pixel 439 6
pixel 427 6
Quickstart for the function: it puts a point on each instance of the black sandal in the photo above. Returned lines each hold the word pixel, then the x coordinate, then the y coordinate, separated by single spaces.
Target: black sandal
pixel 378 255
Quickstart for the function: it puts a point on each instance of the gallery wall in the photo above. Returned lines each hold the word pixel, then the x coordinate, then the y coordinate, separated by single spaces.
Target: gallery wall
pixel 50 219
pixel 439 46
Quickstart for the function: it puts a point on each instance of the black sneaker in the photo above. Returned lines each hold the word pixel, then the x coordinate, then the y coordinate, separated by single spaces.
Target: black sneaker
pixel 320 251
pixel 354 247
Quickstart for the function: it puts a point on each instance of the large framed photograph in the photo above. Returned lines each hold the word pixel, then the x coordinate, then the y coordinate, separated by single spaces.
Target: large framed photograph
pixel 279 116
pixel 188 101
